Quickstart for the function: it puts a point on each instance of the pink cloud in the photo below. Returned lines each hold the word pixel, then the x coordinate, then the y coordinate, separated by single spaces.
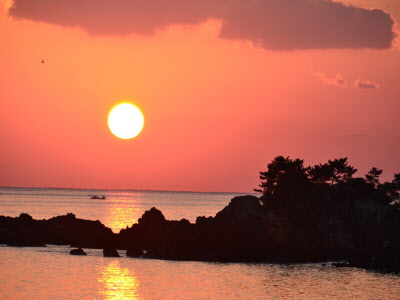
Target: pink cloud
pixel 365 84
pixel 336 81
pixel 340 82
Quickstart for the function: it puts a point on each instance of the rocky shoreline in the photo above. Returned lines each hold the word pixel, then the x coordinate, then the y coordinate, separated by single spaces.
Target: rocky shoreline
pixel 362 233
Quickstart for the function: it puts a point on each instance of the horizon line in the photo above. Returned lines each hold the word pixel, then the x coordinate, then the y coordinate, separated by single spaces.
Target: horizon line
pixel 136 190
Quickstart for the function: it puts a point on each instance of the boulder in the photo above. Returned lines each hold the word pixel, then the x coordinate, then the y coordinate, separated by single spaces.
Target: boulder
pixel 110 252
pixel 77 251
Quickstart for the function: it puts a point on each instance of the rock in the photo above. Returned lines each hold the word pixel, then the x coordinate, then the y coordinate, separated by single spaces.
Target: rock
pixel 154 217
pixel 61 230
pixel 25 217
pixel 110 252
pixel 78 251
pixel 245 230
pixel 204 221
pixel 241 208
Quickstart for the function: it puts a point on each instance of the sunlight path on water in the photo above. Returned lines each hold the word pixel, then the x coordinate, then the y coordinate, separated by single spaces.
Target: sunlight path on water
pixel 117 282
pixel 48 273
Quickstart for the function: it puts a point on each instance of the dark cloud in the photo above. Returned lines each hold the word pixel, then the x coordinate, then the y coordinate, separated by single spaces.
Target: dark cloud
pixel 116 17
pixel 273 24
pixel 365 84
pixel 291 24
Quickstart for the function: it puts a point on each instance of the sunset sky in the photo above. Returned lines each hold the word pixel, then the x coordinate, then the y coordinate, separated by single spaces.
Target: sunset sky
pixel 224 86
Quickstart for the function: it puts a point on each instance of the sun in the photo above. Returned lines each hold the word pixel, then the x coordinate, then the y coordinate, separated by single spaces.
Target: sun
pixel 125 120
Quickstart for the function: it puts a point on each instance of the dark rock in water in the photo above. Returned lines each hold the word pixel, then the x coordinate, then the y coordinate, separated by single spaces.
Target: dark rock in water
pixel 110 252
pixel 78 251
pixel 61 230
pixel 384 259
pixel 134 252
pixel 387 258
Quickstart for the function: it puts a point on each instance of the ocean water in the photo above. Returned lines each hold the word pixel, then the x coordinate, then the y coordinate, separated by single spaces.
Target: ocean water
pixel 51 273
pixel 118 210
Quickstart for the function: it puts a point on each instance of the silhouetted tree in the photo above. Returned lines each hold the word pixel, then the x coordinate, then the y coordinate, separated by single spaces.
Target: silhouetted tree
pixel 392 189
pixel 321 173
pixel 287 183
pixel 373 177
pixel 282 170
pixel 341 171
pixel 334 171
pixel 396 181
pixel 395 194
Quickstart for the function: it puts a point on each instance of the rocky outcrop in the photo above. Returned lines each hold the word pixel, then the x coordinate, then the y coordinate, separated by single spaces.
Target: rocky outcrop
pixel 61 230
pixel 156 237
pixel 78 251
pixel 237 233
pixel 362 232
pixel 245 230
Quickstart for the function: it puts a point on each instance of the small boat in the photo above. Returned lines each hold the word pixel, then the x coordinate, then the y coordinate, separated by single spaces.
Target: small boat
pixel 98 197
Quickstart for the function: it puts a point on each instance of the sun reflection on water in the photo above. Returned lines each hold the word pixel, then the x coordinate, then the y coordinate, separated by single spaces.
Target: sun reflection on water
pixel 122 211
pixel 117 282
pixel 118 218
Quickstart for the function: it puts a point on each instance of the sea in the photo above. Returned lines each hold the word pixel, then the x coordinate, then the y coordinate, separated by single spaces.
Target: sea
pixel 52 273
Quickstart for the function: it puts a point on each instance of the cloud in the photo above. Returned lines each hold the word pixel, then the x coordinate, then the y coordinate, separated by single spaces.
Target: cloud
pixel 365 84
pixel 291 24
pixel 336 81
pixel 340 82
pixel 272 24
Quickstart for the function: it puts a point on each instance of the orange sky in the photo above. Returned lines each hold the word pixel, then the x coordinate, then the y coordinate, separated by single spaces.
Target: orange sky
pixel 217 108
